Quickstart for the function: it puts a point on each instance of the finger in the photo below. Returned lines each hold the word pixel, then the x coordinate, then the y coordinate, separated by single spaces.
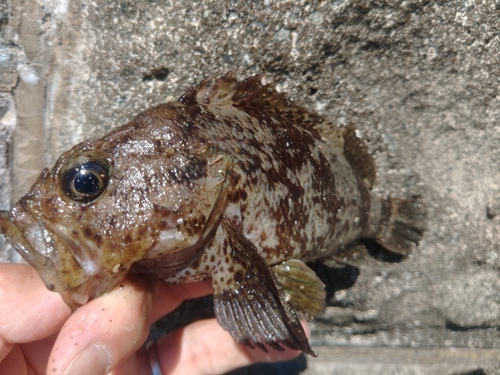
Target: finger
pixel 29 312
pixel 14 362
pixel 169 297
pixel 201 348
pixel 166 299
pixel 36 353
pixel 205 348
pixel 104 331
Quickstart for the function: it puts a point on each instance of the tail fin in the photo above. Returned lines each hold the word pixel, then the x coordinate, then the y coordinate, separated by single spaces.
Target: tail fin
pixel 402 224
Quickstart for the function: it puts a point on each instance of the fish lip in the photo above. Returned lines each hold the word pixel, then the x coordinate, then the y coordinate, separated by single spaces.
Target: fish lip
pixel 55 263
pixel 14 233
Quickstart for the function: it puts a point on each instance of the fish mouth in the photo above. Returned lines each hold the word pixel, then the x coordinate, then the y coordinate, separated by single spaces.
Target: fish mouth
pixel 50 256
pixel 15 236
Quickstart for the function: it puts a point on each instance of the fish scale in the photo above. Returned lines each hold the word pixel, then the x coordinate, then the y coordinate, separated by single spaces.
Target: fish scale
pixel 233 183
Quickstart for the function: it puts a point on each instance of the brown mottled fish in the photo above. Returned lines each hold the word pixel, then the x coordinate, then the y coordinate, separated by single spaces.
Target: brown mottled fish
pixel 231 183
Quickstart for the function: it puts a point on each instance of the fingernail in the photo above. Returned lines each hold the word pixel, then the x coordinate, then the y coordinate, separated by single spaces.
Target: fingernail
pixel 95 360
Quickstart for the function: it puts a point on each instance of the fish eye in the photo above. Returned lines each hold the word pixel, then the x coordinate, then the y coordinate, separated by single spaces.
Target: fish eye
pixel 85 181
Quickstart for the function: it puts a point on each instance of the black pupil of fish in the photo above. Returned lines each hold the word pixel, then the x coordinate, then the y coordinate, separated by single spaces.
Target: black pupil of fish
pixel 86 182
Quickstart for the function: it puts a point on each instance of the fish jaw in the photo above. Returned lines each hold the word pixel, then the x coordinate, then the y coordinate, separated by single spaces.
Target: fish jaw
pixel 14 235
pixel 50 255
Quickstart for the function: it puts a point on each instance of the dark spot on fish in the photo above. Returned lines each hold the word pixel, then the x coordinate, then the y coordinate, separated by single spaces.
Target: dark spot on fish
pixel 238 276
pixel 222 279
pixel 128 238
pixel 237 195
pixel 142 231
pixel 207 268
pixel 251 226
pixel 234 253
pixel 87 231
pixel 248 167
pixel 50 207
pixel 212 259
pixel 194 168
pixel 237 127
pixel 345 227
pixel 231 269
pixel 235 178
pixel 98 239
pixel 189 125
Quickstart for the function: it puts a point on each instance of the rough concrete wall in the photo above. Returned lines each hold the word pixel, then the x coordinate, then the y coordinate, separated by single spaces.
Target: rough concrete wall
pixel 8 80
pixel 418 78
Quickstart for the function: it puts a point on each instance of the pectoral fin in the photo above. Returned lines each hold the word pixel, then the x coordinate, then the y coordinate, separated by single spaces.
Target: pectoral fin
pixel 304 290
pixel 248 302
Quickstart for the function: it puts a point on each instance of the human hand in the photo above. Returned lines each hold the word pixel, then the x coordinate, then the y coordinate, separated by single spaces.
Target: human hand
pixel 39 334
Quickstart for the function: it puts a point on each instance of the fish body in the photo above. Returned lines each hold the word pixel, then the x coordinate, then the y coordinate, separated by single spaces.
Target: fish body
pixel 232 183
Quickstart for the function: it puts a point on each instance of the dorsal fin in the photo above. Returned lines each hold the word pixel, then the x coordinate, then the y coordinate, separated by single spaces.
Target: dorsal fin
pixel 211 91
pixel 354 149
pixel 249 94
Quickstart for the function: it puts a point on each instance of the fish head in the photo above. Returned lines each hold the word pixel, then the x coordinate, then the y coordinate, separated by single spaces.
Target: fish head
pixel 109 203
pixel 47 224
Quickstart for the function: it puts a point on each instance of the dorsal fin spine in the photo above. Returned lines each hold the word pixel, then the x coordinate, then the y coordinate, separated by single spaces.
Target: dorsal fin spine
pixel 249 94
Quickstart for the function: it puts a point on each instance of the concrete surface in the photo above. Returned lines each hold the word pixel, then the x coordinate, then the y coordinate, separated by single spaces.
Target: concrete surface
pixel 384 361
pixel 420 80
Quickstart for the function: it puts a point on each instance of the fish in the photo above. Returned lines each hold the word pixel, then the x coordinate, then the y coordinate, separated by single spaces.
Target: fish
pixel 233 183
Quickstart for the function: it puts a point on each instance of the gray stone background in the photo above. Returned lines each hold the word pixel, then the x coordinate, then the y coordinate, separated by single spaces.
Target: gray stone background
pixel 420 79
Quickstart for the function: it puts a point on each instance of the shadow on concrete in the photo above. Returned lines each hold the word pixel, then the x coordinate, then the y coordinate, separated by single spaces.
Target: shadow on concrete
pixel 473 372
pixel 293 367
pixel 335 276
pixel 380 253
